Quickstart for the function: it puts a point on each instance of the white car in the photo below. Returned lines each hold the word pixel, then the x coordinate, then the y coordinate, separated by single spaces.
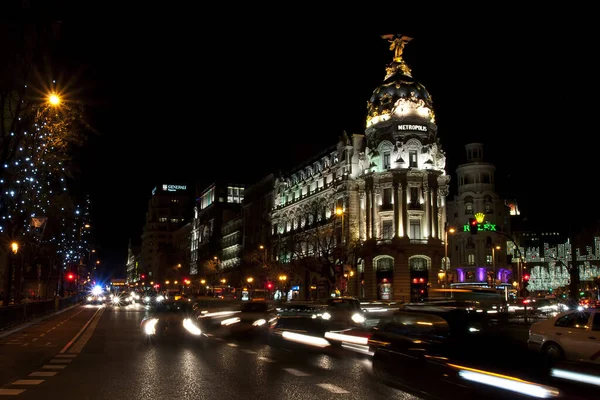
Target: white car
pixel 572 335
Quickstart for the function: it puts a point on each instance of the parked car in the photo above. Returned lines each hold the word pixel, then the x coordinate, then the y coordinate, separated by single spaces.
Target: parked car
pixel 573 335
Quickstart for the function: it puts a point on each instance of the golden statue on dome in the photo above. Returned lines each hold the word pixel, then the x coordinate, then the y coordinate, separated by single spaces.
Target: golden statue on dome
pixel 398 41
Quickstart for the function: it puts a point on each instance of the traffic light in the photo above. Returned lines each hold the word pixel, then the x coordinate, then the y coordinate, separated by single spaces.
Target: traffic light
pixel 269 285
pixel 70 277
pixel 473 226
pixel 143 276
pixel 525 280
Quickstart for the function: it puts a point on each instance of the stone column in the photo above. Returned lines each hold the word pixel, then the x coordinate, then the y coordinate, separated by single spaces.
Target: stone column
pixel 404 197
pixel 361 216
pixel 373 213
pixel 426 190
pixel 370 280
pixel 435 212
pixel 368 191
pixel 396 210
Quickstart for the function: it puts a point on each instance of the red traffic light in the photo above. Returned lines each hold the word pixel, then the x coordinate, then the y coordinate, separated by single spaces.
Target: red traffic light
pixel 525 277
pixel 143 276
pixel 70 277
pixel 269 285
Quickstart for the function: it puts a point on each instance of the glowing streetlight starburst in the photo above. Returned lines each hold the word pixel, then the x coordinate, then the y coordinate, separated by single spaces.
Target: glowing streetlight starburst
pixel 54 99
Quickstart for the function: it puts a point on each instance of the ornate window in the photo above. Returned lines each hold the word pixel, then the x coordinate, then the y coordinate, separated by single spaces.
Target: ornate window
pixel 385 264
pixel 419 264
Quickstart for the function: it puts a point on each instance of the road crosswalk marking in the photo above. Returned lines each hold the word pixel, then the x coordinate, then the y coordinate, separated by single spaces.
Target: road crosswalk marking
pixel 43 373
pixel 54 366
pixel 11 392
pixel 61 361
pixel 295 372
pixel 28 382
pixel 266 359
pixel 332 388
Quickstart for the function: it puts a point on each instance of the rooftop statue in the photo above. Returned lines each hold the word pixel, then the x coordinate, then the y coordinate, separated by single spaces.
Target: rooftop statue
pixel 397 43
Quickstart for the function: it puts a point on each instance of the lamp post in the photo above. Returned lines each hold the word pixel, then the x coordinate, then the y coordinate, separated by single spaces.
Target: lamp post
pixel 340 212
pixel 250 280
pixel 494 248
pixel 282 279
pixel 447 229
pixel 264 249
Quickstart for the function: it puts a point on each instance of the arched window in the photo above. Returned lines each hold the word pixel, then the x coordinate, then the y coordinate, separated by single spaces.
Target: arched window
pixel 419 264
pixel 385 264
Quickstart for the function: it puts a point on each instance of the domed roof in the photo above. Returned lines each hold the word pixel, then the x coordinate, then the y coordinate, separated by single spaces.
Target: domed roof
pixel 399 95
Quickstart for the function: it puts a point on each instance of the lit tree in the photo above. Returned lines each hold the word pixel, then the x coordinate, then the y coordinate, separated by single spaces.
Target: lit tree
pixel 39 131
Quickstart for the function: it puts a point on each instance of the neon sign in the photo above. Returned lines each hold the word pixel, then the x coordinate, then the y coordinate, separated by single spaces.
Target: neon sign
pixel 481 227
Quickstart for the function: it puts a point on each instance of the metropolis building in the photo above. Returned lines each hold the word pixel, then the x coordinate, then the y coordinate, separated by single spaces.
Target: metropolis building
pixel 379 197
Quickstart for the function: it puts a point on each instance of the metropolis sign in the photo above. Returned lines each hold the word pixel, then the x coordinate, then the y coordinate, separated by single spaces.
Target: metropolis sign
pixel 421 128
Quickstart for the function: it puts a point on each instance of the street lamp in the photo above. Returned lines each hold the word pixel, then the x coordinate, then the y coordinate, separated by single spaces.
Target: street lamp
pixel 447 229
pixel 264 249
pixel 282 279
pixel 250 280
pixel 340 212
pixel 494 248
pixel 54 99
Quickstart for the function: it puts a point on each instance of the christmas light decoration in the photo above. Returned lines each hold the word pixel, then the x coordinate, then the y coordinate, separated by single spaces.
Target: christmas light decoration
pixel 35 174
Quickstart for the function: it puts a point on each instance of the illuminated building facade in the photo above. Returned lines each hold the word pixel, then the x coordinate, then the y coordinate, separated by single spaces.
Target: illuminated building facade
pixel 169 209
pixel 475 258
pixel 216 233
pixel 372 207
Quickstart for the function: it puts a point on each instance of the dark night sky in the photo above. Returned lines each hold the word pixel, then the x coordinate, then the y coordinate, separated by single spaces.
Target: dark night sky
pixel 181 100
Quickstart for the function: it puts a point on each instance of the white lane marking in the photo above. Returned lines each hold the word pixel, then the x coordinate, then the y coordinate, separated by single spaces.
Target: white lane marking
pixel 266 359
pixel 78 346
pixel 332 388
pixel 232 345
pixel 11 392
pixel 64 350
pixel 61 361
pixel 248 351
pixel 54 367
pixel 26 344
pixel 28 382
pixel 65 356
pixel 43 373
pixel 295 372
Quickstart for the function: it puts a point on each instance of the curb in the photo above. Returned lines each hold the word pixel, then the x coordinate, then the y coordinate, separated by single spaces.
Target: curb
pixel 24 325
